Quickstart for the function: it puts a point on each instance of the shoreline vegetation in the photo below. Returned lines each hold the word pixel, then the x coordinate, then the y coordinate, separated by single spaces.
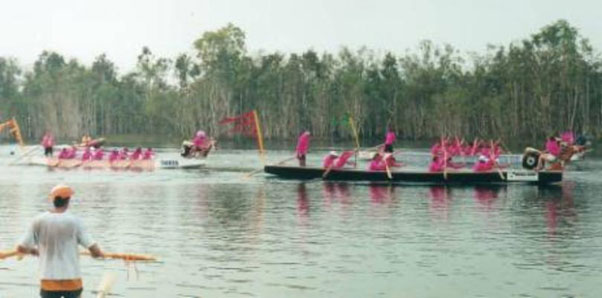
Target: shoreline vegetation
pixel 527 90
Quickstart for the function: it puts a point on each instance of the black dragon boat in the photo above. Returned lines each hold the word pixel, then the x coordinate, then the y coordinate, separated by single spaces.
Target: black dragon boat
pixel 501 176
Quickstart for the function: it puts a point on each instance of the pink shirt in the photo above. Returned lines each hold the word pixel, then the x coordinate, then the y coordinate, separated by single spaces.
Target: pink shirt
pixel 47 141
pixel 436 165
pixel 552 147
pixel 390 138
pixel 87 155
pixel 483 166
pixel 99 154
pixel 377 165
pixel 342 160
pixel 114 156
pixel 303 144
pixel 329 160
pixel 198 141
pixel 568 137
pixel 148 154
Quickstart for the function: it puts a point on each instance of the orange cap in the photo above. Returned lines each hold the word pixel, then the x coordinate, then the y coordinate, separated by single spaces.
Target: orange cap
pixel 62 191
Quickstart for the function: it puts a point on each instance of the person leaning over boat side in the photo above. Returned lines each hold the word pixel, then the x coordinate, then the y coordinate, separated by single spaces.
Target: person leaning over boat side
pixel 302 147
pixel 48 144
pixel 329 159
pixel 389 140
pixel 54 236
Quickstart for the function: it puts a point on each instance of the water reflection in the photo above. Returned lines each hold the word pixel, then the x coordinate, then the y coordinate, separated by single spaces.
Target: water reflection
pixel 336 193
pixel 486 196
pixel 302 201
pixel 382 194
pixel 559 206
pixel 440 201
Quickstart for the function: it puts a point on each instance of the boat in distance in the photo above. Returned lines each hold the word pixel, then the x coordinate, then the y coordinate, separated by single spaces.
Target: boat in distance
pixel 416 176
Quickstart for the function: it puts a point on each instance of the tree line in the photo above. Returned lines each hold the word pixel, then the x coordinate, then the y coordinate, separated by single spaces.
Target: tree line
pixel 548 82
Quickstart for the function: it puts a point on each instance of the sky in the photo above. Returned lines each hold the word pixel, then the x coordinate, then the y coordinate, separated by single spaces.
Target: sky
pixel 84 29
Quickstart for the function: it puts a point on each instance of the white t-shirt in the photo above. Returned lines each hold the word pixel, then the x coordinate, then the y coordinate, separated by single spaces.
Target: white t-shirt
pixel 57 236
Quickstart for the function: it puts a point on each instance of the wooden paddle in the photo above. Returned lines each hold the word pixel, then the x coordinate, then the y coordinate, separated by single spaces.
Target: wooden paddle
pixel 444 159
pixel 387 166
pixel 105 285
pixel 125 256
pixel 10 253
pixel 495 164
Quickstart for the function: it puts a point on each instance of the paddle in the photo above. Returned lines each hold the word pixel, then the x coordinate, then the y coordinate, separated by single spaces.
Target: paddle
pixel 327 171
pixel 495 164
pixel 248 175
pixel 10 253
pixel 444 159
pixel 387 166
pixel 105 285
pixel 125 256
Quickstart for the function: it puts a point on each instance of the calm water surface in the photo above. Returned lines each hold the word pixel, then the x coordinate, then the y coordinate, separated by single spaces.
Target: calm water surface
pixel 218 234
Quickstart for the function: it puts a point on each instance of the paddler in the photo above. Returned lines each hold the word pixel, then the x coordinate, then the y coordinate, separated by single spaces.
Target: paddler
pixel 437 164
pixel 99 154
pixel 87 155
pixel 389 140
pixel 377 163
pixel 54 236
pixel 137 154
pixel 86 139
pixel 124 154
pixel 302 147
pixel 48 144
pixel 148 154
pixel 113 156
pixel 329 159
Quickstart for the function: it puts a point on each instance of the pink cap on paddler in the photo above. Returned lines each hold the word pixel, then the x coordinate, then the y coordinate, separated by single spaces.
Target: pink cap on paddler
pixel 62 191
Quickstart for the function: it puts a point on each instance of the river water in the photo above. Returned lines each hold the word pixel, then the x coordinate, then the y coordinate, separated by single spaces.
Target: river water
pixel 219 234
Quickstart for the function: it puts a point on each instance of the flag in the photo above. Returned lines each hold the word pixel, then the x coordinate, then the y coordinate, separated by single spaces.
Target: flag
pixel 243 124
pixel 247 124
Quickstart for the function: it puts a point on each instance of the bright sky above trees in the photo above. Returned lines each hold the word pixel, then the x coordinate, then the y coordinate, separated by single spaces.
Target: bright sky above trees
pixel 85 29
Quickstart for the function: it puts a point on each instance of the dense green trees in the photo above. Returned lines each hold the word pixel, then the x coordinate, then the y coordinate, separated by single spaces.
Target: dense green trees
pixel 549 82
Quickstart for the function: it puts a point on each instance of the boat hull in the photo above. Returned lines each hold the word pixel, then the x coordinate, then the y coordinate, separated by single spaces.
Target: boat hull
pixel 136 165
pixel 418 177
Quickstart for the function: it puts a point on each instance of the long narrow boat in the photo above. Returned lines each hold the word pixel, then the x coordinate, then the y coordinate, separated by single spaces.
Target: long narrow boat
pixel 417 176
pixel 148 165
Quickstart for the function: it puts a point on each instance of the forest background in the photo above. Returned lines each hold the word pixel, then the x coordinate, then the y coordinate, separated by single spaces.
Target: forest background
pixel 548 82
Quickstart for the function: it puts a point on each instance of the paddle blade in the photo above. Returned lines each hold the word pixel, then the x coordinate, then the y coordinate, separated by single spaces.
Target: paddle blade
pixel 106 284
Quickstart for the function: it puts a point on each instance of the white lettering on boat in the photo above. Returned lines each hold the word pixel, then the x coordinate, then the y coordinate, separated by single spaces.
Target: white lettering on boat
pixel 522 176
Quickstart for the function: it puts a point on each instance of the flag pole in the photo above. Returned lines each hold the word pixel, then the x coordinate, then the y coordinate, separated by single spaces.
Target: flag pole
pixel 259 137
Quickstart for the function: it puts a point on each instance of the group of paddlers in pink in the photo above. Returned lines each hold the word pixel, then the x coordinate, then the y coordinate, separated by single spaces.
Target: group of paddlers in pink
pixel 487 153
pixel 99 154
pixel 382 160
pixel 443 152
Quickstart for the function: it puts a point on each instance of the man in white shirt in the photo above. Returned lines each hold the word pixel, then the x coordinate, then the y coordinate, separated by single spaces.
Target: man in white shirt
pixel 54 236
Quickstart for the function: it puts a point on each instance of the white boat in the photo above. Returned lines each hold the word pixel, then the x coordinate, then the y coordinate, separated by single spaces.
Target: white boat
pixel 135 165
